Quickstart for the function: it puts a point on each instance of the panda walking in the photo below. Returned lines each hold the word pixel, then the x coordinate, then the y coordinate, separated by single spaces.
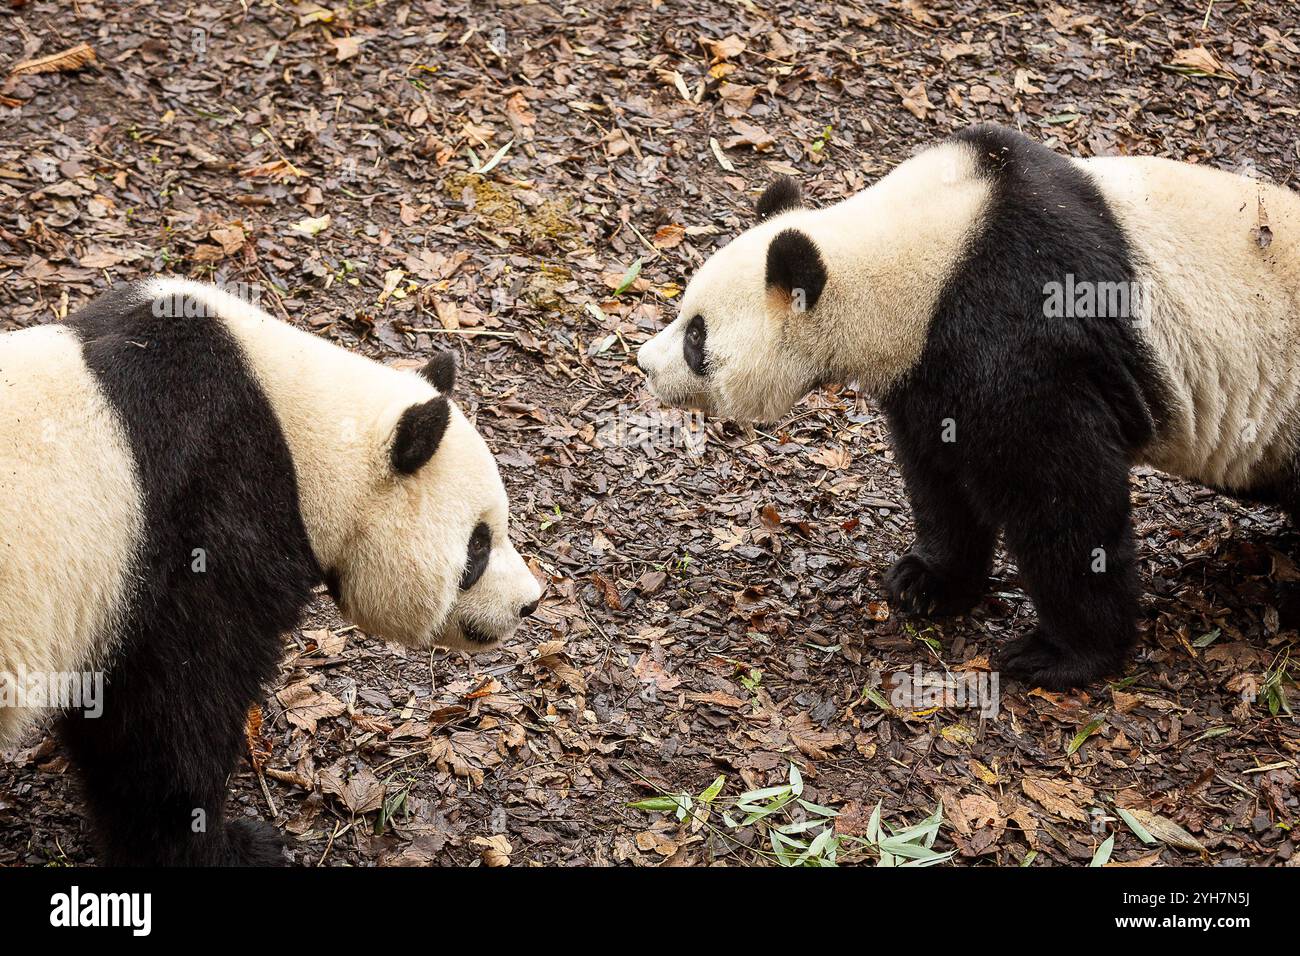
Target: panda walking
pixel 178 471
pixel 1032 326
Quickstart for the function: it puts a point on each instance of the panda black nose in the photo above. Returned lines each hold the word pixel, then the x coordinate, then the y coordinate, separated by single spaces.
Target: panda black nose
pixel 528 609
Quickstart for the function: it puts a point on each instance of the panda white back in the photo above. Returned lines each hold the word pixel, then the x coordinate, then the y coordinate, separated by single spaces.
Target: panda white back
pixel 1225 313
pixel 69 507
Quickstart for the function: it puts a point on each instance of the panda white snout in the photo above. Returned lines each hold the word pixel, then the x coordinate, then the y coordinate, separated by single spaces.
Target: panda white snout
pixel 670 381
pixel 492 610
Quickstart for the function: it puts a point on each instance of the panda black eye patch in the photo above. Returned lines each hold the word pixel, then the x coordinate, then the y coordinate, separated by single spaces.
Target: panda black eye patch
pixel 693 344
pixel 476 560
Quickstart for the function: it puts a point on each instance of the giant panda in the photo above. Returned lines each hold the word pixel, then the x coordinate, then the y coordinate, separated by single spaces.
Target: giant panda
pixel 178 472
pixel 956 291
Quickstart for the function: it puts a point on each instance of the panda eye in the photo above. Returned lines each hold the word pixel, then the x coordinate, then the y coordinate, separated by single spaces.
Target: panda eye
pixel 693 344
pixel 477 553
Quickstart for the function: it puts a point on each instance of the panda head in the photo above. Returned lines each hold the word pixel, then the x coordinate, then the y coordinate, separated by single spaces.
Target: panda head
pixel 747 343
pixel 430 561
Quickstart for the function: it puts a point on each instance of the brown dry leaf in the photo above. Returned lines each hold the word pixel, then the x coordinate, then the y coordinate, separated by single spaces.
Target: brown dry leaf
pixel 736 98
pixel 1167 831
pixel 1059 797
pixel 1124 703
pixel 832 458
pixel 747 134
pixel 304 706
pixel 916 9
pixel 1198 58
pixel 814 742
pixel 392 279
pixel 448 313
pixel 496 850
pixel 101 258
pixel 779 46
pixel 717 698
pixel 1151 859
pixel 916 102
pixel 650 671
pixel 669 237
pixel 1066 21
pixel 328 644
pixel 259 748
pixel 518 111
pixel 725 49
pixel 1024 817
pixel 978 811
pixel 361 793
pixel 648 840
pixel 446 758
pixel 950 51
pixel 231 238
pixel 560 665
pixel 345 48
pixel 1024 85
pixel 609 590
pixel 207 252
pixel 73 58
pixel 280 169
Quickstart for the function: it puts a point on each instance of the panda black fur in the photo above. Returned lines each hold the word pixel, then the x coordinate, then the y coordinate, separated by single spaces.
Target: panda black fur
pixel 929 289
pixel 169 424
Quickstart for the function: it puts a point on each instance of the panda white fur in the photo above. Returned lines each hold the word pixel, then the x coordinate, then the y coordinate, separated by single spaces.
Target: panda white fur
pixel 178 471
pixel 940 291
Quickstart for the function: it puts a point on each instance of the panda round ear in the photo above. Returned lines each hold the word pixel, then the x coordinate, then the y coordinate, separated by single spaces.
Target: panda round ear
pixel 419 432
pixel 796 273
pixel 781 196
pixel 440 371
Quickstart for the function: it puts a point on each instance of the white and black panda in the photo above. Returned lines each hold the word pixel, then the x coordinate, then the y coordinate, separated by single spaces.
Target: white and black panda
pixel 178 471
pixel 1032 326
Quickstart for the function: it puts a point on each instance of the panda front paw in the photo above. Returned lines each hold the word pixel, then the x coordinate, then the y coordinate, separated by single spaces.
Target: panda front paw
pixel 1038 662
pixel 915 587
pixel 254 843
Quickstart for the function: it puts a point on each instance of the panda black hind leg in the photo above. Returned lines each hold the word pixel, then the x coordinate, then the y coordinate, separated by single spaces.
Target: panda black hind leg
pixel 1070 531
pixel 946 569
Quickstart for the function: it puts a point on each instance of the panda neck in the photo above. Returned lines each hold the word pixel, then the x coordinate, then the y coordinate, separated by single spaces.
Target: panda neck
pixel 889 252
pixel 337 410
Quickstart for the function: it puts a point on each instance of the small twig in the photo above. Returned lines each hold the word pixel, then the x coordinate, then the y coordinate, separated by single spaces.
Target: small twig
pixel 330 845
pixel 266 792
pixel 470 332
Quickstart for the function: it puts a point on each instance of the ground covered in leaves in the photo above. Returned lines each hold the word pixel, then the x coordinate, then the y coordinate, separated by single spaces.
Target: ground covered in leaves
pixel 715 603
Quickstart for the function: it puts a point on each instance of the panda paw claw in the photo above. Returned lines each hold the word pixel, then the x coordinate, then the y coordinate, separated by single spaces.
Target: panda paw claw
pixel 916 588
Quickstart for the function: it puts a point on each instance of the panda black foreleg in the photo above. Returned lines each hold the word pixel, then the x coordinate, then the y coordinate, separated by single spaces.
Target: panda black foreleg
pixel 946 569
pixel 1071 535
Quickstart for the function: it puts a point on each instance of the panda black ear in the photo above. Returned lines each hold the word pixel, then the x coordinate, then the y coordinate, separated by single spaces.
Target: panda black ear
pixel 419 432
pixel 796 273
pixel 782 196
pixel 440 371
